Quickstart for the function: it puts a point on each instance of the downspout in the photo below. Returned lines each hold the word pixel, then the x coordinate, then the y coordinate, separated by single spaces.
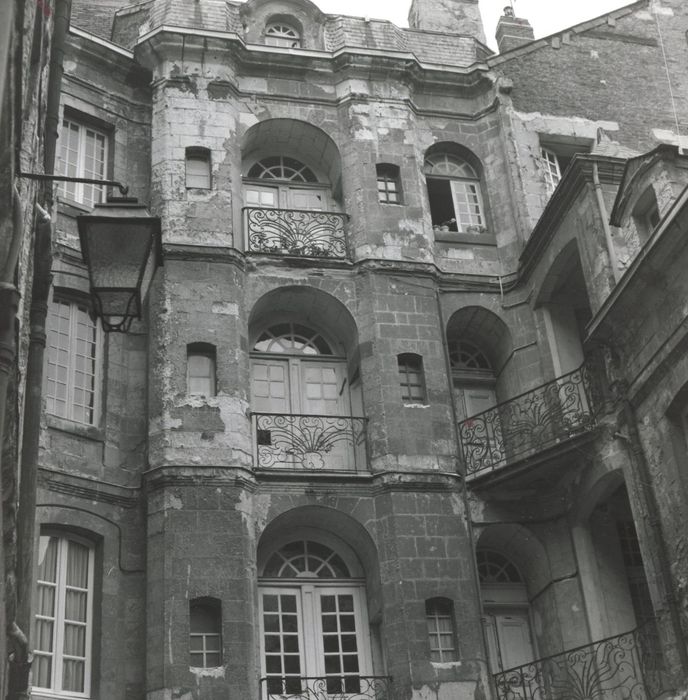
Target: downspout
pixel 638 457
pixel 613 260
pixel 20 666
pixel 464 492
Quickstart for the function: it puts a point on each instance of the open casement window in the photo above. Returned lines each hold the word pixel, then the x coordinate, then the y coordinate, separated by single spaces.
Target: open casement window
pixel 64 616
pixel 454 193
pixel 282 34
pixel 74 350
pixel 439 613
pixel 205 633
pixel 83 153
pixel 314 624
pixel 285 183
pixel 506 612
pixel 551 168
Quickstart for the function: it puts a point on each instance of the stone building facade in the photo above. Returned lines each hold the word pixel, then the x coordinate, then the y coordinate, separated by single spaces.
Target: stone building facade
pixel 405 417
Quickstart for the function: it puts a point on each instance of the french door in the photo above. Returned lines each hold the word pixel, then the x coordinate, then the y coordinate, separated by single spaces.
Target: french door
pixel 286 197
pixel 509 638
pixel 313 640
pixel 308 396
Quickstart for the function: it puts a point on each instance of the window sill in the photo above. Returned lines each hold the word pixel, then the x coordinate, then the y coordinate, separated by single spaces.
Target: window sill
pixel 90 432
pixel 53 694
pixel 453 237
pixel 71 208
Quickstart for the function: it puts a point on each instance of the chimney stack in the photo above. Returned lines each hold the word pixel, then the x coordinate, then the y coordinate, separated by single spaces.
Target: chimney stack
pixel 451 16
pixel 512 31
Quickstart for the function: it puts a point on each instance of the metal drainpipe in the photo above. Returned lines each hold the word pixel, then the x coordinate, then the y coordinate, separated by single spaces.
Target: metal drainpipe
pixel 464 492
pixel 605 223
pixel 637 454
pixel 20 666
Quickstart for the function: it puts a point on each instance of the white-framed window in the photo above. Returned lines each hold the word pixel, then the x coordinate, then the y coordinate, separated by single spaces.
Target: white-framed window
pixel 282 34
pixel 200 369
pixel 64 616
pixel 411 377
pixel 388 184
pixel 205 633
pixel 83 153
pixel 439 614
pixel 454 192
pixel 313 623
pixel 74 351
pixel 551 168
pixel 197 168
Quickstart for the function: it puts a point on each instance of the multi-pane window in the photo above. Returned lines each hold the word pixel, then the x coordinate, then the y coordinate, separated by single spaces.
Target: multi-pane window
pixel 205 633
pixel 197 168
pixel 64 616
pixel 282 34
pixel 74 346
pixel 411 377
pixel 439 613
pixel 454 193
pixel 200 369
pixel 388 184
pixel 551 168
pixel 494 567
pixel 83 153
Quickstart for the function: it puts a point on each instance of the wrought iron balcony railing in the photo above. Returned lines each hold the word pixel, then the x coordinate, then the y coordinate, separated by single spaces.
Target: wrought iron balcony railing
pixel 347 687
pixel 302 232
pixel 628 666
pixel 522 426
pixel 298 441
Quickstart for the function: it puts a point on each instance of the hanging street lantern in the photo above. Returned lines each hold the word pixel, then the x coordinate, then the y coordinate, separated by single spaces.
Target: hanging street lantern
pixel 122 247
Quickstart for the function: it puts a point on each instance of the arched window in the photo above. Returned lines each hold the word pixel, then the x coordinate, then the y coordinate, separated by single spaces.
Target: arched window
pixel 456 202
pixel 464 355
pixel 205 632
pixel 494 567
pixel 282 34
pixel 313 622
pixel 439 613
pixel 302 401
pixel 282 168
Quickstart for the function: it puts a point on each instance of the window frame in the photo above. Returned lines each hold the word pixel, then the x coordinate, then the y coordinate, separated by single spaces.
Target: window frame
pixel 59 618
pixel 83 124
pixel 209 352
pixel 213 607
pixel 75 305
pixel 405 360
pixel 551 168
pixel 198 154
pixel 277 35
pixel 388 174
pixel 433 616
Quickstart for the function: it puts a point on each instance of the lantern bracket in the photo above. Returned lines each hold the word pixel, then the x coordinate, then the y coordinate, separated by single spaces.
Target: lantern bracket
pixel 124 189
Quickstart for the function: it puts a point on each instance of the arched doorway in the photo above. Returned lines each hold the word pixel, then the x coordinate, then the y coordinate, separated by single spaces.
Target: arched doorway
pixel 314 628
pixel 506 611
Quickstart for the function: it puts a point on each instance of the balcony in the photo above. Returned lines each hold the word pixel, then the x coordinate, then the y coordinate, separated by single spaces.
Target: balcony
pixel 331 687
pixel 309 442
pixel 526 425
pixel 296 232
pixel 626 666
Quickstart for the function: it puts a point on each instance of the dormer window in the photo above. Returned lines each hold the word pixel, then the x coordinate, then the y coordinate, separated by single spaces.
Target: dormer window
pixel 646 214
pixel 282 34
pixel 551 168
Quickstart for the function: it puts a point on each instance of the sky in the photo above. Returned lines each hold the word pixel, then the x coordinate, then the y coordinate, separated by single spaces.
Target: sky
pixel 546 16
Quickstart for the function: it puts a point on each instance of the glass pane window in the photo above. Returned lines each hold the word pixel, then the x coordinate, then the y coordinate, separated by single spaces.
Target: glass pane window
pixel 205 633
pixel 281 168
pixel 411 378
pixel 74 343
pixel 200 370
pixel 388 184
pixel 63 616
pixel 198 168
pixel 282 34
pixel 551 169
pixel 83 153
pixel 440 620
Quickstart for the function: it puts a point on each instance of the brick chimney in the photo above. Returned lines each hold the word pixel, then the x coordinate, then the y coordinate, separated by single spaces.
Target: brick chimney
pixel 512 31
pixel 452 16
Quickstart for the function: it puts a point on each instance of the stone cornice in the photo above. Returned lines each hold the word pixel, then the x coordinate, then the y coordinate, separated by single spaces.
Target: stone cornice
pixel 88 489
pixel 191 475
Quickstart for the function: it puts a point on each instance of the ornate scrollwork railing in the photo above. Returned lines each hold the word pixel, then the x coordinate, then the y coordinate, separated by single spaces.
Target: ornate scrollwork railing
pixel 314 234
pixel 616 667
pixel 298 441
pixel 537 419
pixel 349 687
